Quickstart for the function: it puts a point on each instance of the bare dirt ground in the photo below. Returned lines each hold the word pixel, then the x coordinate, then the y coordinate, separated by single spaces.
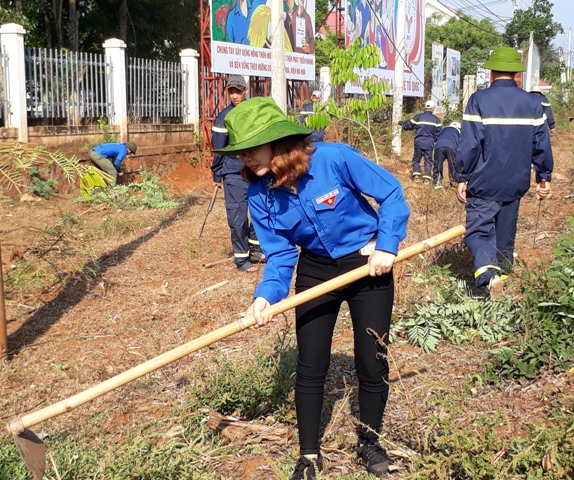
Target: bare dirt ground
pixel 150 292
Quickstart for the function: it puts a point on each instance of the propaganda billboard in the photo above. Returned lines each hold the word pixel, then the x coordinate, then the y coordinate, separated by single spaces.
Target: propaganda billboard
pixel 241 37
pixel 453 76
pixel 374 21
pixel 437 75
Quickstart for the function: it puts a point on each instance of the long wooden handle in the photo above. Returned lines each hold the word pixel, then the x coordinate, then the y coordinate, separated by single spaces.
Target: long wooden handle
pixel 18 424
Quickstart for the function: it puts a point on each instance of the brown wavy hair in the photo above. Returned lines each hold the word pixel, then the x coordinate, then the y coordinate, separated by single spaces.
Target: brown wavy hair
pixel 290 160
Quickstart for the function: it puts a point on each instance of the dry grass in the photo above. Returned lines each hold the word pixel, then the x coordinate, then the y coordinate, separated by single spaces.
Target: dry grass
pixel 116 297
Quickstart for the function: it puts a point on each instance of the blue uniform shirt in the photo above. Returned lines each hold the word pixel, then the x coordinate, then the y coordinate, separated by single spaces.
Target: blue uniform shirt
pixel 115 152
pixel 503 133
pixel 223 164
pixel 547 109
pixel 427 126
pixel 448 138
pixel 329 216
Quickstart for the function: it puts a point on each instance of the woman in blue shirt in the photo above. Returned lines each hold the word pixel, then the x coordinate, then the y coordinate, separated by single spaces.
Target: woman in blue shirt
pixel 311 197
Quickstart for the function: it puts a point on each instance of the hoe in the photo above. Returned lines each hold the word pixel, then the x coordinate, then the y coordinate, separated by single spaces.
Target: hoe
pixel 33 450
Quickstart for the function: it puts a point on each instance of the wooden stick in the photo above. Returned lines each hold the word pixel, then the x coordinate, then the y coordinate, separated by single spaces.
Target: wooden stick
pixel 3 330
pixel 217 262
pixel 19 424
pixel 213 287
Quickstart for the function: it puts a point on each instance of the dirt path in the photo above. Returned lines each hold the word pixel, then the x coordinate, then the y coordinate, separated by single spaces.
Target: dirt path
pixel 147 295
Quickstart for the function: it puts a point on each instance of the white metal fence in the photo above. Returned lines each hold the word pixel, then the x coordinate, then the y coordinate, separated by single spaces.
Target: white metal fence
pixel 74 87
pixel 66 85
pixel 156 90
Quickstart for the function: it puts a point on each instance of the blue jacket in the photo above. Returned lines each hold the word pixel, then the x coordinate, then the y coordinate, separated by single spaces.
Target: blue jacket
pixel 547 109
pixel 223 164
pixel 329 216
pixel 427 127
pixel 114 152
pixel 449 137
pixel 306 110
pixel 503 133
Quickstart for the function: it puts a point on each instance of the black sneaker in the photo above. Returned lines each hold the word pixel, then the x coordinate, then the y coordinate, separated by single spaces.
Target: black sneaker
pixel 307 468
pixel 374 458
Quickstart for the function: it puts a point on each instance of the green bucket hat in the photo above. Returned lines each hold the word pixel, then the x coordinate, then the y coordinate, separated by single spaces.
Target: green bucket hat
pixel 132 146
pixel 255 122
pixel 504 59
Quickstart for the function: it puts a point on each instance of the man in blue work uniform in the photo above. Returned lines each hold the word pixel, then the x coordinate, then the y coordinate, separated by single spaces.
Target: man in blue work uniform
pixel 109 157
pixel 427 127
pixel 546 107
pixel 445 149
pixel 227 170
pixel 306 111
pixel 503 132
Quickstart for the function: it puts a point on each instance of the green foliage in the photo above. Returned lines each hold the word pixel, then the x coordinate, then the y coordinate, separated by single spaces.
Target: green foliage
pixel 547 308
pixel 41 187
pixel 150 28
pixel 148 193
pixel 350 65
pixel 104 127
pixel 538 19
pixel 479 452
pixel 248 390
pixel 323 50
pixel 19 163
pixel 562 99
pixel 454 315
pixel 474 43
pixel 451 113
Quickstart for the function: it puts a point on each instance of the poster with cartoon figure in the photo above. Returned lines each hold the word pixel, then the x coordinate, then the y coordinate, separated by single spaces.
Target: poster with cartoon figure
pixel 241 37
pixel 378 25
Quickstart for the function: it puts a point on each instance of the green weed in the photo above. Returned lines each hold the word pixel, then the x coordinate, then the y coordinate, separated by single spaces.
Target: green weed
pixel 451 313
pixel 250 389
pixel 41 187
pixel 544 340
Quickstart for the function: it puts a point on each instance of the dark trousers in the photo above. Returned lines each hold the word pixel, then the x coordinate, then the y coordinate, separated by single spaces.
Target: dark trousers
pixel 242 234
pixel 417 155
pixel 490 233
pixel 440 155
pixel 370 302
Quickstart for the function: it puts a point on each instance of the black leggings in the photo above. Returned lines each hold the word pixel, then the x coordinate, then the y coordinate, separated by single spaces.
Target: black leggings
pixel 370 302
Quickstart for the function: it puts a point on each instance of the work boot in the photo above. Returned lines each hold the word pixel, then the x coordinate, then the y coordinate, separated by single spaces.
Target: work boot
pixel 496 287
pixel 374 458
pixel 416 177
pixel 257 256
pixel 437 186
pixel 307 468
pixel 246 267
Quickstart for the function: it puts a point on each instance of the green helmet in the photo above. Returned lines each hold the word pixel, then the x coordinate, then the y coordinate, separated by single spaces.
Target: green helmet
pixel 504 59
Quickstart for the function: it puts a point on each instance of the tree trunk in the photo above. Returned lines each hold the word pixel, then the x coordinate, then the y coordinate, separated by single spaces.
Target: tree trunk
pixel 73 28
pixel 123 14
pixel 57 13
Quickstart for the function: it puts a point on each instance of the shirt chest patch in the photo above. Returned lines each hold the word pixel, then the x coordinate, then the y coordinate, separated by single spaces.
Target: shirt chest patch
pixel 328 198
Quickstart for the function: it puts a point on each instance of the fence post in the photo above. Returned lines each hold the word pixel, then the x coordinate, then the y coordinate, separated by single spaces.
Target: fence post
pixel 325 81
pixel 116 53
pixel 190 65
pixel 12 44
